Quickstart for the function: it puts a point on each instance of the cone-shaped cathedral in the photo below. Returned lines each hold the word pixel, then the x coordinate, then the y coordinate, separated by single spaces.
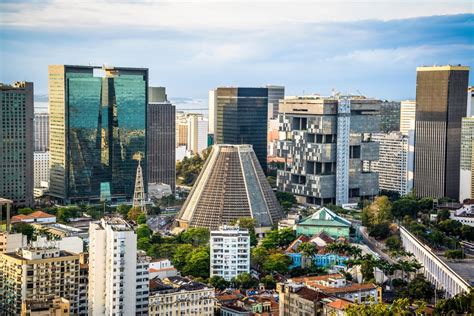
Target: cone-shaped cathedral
pixel 230 186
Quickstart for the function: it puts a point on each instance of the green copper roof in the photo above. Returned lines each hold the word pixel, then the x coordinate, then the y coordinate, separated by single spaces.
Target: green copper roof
pixel 325 217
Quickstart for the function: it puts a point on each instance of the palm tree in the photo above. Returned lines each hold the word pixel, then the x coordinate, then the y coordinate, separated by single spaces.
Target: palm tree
pixel 308 250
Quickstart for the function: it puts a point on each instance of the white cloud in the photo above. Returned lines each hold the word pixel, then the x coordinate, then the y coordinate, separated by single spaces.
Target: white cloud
pixel 194 15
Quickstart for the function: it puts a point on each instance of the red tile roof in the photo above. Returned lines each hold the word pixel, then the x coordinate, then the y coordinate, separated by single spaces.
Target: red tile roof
pixel 339 304
pixel 41 214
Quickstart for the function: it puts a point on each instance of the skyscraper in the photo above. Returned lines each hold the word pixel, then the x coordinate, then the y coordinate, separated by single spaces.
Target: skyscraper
pixel 41 167
pixel 275 94
pixel 161 138
pixel 241 118
pixel 326 143
pixel 41 131
pixel 192 132
pixel 407 116
pixel 16 142
pixel 441 93
pixel 389 116
pixel 466 183
pixel 97 125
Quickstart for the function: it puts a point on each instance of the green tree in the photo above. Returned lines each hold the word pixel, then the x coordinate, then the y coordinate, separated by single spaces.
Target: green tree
pixel 180 254
pixel 25 211
pixel 133 213
pixel 268 282
pixel 277 262
pixel 461 304
pixel 450 227
pixel 378 212
pixel 443 215
pixel 197 263
pixel 141 219
pixel 278 238
pixel 393 243
pixel 467 232
pixel 307 249
pixel 272 181
pixel 405 207
pixel 197 236
pixel 420 289
pixel 286 200
pixel 143 231
pixel 25 229
pixel 123 209
pixel 249 224
pixel 143 244
pixel 258 256
pixel 454 254
pixel 64 214
pixel 218 282
pixel 244 281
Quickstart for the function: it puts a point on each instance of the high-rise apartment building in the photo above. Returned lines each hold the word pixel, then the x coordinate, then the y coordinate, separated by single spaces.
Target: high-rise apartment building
pixel 327 146
pixel 441 102
pixel 192 132
pixel 10 242
pixel 41 167
pixel 212 112
pixel 83 284
pixel 41 131
pixel 275 94
pixel 470 102
pixel 16 143
pixel 97 127
pixel 38 273
pixel 466 183
pixel 161 140
pixel 113 269
pixel 230 252
pixel 241 118
pixel 143 279
pixel 394 165
pixel 407 116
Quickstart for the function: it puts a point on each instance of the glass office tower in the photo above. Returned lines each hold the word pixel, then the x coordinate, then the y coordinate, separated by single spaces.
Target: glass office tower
pixel 98 128
pixel 241 118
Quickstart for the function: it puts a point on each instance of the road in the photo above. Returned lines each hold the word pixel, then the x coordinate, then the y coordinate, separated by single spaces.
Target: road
pixel 374 245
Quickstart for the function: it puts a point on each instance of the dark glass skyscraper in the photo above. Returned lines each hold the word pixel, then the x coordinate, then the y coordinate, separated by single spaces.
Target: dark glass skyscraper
pixel 441 101
pixel 97 129
pixel 241 118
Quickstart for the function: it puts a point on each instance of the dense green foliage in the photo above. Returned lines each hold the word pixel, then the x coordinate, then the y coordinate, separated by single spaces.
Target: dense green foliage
pixel 461 304
pixel 244 281
pixel 249 224
pixel 278 238
pixel 377 217
pixel 188 169
pixel 286 200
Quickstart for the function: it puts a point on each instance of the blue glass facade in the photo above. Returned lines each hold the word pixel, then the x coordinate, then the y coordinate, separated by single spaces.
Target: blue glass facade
pixel 106 129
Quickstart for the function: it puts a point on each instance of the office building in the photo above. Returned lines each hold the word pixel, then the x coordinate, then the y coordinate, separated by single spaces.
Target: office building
pixel 230 186
pixel 37 273
pixel 275 94
pixel 41 131
pixel 466 182
pixel 97 127
pixel 180 296
pixel 407 116
pixel 327 147
pixel 230 252
pixel 112 267
pixel 41 167
pixel 470 103
pixel 161 138
pixel 16 143
pixel 389 116
pixel 394 166
pixel 441 102
pixel 241 118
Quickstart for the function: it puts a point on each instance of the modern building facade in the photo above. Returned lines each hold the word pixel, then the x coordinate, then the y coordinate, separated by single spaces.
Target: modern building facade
pixel 441 102
pixel 407 116
pixel 161 138
pixel 231 185
pixel 41 167
pixel 112 268
pixel 470 103
pixel 327 147
pixel 41 131
pixel 192 132
pixel 97 126
pixel 241 118
pixel 389 116
pixel 466 182
pixel 395 164
pixel 230 252
pixel 16 143
pixel 37 273
pixel 275 94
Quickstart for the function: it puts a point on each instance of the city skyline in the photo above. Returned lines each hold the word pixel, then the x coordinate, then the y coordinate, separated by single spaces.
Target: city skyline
pixel 194 47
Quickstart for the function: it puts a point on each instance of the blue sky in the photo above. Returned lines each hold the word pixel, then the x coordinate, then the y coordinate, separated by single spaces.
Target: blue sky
pixel 191 47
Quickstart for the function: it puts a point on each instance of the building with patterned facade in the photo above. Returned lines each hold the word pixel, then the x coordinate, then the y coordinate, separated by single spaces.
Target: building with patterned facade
pixel 441 102
pixel 161 138
pixel 231 185
pixel 38 273
pixel 275 94
pixel 407 116
pixel 41 131
pixel 16 143
pixel 240 117
pixel 466 182
pixel 97 126
pixel 41 167
pixel 327 146
pixel 389 116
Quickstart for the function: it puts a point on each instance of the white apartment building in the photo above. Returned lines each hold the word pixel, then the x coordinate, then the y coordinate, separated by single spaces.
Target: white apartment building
pixel 143 263
pixel 11 242
pixel 191 132
pixel 407 116
pixel 395 164
pixel 230 252
pixel 41 167
pixel 112 268
pixel 464 215
pixel 176 296
pixel 466 176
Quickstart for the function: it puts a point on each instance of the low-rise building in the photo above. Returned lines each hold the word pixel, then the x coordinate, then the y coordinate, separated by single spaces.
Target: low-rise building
pixel 162 268
pixel 37 273
pixel 297 299
pixel 324 220
pixel 62 231
pixel 35 217
pixel 464 215
pixel 230 252
pixel 180 296
pixel 49 307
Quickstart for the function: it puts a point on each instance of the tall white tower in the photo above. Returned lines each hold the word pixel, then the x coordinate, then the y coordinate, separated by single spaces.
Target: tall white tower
pixel 342 150
pixel 139 194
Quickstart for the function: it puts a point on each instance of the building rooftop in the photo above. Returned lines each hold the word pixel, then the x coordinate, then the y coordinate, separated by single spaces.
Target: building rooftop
pixel 175 284
pixel 325 217
pixel 442 68
pixel 339 304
